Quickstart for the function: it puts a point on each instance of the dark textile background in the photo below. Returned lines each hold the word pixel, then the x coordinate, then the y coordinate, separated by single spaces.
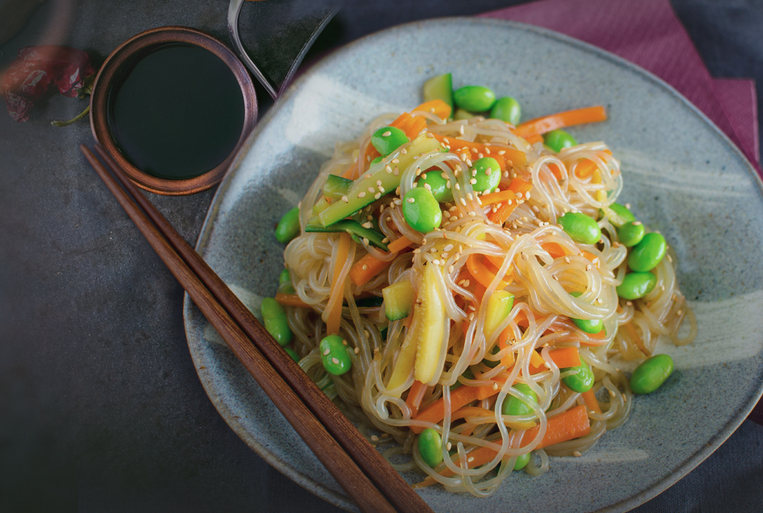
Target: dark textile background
pixel 100 406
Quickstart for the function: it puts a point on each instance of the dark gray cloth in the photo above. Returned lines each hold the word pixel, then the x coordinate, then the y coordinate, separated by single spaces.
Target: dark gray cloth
pixel 101 409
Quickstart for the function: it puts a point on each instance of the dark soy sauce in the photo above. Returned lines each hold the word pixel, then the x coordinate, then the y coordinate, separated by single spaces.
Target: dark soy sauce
pixel 177 112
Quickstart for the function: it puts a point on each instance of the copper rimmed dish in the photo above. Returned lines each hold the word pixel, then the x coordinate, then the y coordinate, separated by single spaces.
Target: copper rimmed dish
pixel 113 72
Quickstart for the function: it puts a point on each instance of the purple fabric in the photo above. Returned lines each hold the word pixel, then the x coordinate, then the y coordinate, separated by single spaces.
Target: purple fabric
pixel 648 33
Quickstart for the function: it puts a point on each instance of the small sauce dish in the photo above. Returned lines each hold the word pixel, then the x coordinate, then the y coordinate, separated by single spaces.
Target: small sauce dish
pixel 173 105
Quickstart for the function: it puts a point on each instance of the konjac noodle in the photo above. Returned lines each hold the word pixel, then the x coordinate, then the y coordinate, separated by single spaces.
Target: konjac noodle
pixel 460 287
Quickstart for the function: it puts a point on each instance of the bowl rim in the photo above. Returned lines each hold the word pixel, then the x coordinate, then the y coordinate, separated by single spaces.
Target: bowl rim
pixel 109 75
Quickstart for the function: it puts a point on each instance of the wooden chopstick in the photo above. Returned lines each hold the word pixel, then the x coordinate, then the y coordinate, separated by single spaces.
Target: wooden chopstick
pixel 236 320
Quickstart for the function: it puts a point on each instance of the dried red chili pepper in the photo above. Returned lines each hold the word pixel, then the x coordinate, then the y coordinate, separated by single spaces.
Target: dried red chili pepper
pixel 36 68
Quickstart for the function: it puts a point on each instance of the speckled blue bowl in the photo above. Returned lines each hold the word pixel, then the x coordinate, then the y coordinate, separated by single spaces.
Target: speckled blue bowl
pixel 682 175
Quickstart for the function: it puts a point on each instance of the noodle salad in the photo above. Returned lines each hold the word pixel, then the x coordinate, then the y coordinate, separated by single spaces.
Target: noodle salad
pixel 459 283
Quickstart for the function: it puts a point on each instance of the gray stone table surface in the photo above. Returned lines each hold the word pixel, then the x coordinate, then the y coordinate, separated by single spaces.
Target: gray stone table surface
pixel 100 406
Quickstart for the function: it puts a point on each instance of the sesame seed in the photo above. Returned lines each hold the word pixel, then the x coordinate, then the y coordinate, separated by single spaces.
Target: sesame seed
pixel 326 352
pixel 357 350
pixel 487 150
pixel 365 267
pixel 367 225
pixel 463 201
pixel 670 259
pixel 471 459
pixel 453 218
pixel 588 267
pixel 495 386
pixel 555 277
pixel 612 393
pixel 385 240
pixel 468 162
pixel 636 223
pixel 488 171
pixel 335 360
pixel 377 195
pixel 381 189
pixel 387 168
pixel 449 446
pixel 371 190
pixel 395 161
pixel 345 199
pixel 436 261
pixel 344 342
pixel 396 172
pixel 466 283
pixel 577 454
pixel 461 130
pixel 628 206
pixel 361 194
pixel 473 181
pixel 628 303
pixel 430 135
pixel 458 187
pixel 447 184
pixel 365 241
pixel 387 133
pixel 502 152
pixel 410 200
pixel 428 187
pixel 679 312
pixel 469 196
pixel 519 195
pixel 397 201
pixel 404 151
pixel 566 260
pixel 472 213
pixel 535 209
pixel 451 269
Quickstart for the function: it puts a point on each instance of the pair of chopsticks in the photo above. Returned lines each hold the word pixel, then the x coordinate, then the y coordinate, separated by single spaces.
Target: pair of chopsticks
pixel 353 462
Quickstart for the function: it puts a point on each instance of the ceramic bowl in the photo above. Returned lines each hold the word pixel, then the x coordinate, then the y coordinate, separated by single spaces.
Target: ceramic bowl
pixel 683 177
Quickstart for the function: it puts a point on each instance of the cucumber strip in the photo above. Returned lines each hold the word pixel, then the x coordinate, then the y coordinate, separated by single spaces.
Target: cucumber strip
pixel 360 193
pixel 354 229
pixel 336 187
pixel 439 88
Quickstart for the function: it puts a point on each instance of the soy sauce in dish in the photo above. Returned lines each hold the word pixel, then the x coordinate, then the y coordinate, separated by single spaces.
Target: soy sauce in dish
pixel 177 112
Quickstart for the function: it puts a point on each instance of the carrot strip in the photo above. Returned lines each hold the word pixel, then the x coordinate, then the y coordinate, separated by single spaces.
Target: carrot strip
pixel 459 398
pixel 566 426
pixel 586 168
pixel 437 107
pixel 565 357
pixel 561 120
pixel 497 197
pixel 415 395
pixel 513 155
pixel 334 315
pixel 369 266
pixel 480 272
pixel 291 300
pixel 590 401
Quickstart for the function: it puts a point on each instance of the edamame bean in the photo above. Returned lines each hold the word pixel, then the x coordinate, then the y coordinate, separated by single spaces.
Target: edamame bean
pixel 636 285
pixel 651 374
pixel 421 211
pixel 522 461
pixel 580 227
pixel 334 355
pixel 623 215
pixel 647 253
pixel 558 140
pixel 430 447
pixel 488 175
pixel 474 98
pixel 288 226
pixel 582 380
pixel 284 277
pixel 387 139
pixel 630 233
pixel 274 318
pixel 587 325
pixel 284 282
pixel 438 185
pixel 291 352
pixel 506 109
pixel 516 406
